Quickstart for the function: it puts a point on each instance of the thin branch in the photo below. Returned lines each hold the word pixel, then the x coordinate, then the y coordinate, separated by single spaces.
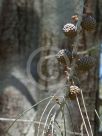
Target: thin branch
pixel 79 53
pixel 88 50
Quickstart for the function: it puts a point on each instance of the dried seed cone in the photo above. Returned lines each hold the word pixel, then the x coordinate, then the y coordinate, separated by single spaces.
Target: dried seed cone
pixel 70 30
pixel 88 23
pixel 74 90
pixel 63 56
pixel 85 63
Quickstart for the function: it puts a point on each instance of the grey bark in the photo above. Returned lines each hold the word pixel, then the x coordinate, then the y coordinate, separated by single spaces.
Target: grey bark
pixel 19 30
pixel 26 25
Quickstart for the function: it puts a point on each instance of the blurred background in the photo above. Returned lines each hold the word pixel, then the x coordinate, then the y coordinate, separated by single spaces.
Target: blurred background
pixel 30 36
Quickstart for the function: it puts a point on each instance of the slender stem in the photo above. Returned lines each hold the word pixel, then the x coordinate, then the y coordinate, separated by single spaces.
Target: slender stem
pixel 82 115
pixel 48 118
pixel 98 116
pixel 64 119
pixel 81 129
pixel 52 122
pixel 24 112
pixel 59 127
pixel 29 127
pixel 86 113
pixel 44 112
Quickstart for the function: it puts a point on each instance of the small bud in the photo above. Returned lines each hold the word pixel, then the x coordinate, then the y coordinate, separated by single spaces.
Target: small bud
pixel 75 19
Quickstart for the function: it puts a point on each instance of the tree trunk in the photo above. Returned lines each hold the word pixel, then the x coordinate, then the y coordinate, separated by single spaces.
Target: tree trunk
pixel 27 25
pixel 19 30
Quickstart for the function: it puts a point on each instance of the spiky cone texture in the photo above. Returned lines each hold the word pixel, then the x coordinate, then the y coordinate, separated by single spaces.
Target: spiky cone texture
pixel 63 56
pixel 88 23
pixel 73 91
pixel 85 63
pixel 70 30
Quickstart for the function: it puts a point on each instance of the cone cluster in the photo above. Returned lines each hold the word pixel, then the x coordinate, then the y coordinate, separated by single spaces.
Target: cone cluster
pixel 84 63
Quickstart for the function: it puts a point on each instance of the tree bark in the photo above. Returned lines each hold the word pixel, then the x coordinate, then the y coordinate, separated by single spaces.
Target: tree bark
pixel 19 30
pixel 25 26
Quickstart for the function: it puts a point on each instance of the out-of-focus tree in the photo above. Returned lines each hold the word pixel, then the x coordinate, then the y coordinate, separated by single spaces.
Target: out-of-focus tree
pixel 26 25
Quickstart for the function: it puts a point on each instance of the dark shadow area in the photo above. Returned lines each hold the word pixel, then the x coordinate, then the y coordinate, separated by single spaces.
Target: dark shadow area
pixel 22 88
pixel 19 30
pixel 19 37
